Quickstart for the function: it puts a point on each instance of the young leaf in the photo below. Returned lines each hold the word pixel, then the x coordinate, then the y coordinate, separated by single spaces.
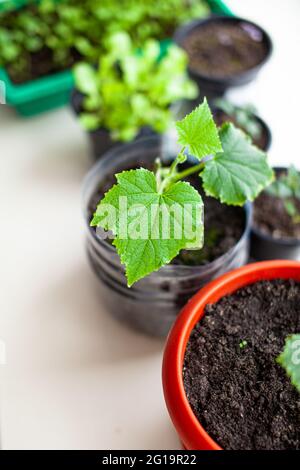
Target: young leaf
pixel 289 359
pixel 238 174
pixel 199 132
pixel 149 226
pixel 85 79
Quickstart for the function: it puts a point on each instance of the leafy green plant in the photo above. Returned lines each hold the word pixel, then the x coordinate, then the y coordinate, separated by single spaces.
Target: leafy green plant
pixel 230 167
pixel 287 188
pixel 289 359
pixel 131 90
pixel 50 35
pixel 244 116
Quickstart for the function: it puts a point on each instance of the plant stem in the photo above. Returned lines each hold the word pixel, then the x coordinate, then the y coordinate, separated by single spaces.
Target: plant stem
pixel 189 171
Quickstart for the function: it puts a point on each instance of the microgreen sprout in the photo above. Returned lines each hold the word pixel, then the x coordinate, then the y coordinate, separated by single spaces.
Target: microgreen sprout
pixel 287 188
pixel 244 116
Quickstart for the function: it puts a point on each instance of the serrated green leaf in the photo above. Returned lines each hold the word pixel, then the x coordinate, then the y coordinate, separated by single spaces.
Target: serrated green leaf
pixel 289 359
pixel 240 172
pixel 143 241
pixel 198 132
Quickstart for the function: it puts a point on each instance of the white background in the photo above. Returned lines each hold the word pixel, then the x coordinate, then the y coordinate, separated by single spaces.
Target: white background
pixel 74 377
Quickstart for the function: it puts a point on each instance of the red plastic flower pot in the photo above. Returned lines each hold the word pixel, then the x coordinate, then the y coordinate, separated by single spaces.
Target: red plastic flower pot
pixel 192 435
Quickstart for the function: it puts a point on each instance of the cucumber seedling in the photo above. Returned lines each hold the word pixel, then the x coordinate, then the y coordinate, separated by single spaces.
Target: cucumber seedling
pixel 155 214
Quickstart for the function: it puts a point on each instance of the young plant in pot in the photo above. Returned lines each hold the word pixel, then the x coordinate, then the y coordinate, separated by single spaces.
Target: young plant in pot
pixel 151 204
pixel 231 370
pixel 276 221
pixel 130 93
pixel 223 52
pixel 245 117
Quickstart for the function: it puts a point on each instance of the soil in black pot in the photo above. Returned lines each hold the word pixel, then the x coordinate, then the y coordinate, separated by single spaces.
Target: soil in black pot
pixel 261 141
pixel 220 50
pixel 271 217
pixel 240 395
pixel 224 226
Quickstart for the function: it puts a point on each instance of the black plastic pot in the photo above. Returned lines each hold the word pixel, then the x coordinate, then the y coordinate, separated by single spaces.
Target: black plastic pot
pixel 265 128
pixel 266 247
pixel 212 87
pixel 152 304
pixel 100 140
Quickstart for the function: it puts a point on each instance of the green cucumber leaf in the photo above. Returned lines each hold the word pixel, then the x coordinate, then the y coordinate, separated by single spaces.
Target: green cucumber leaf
pixel 143 238
pixel 198 132
pixel 240 172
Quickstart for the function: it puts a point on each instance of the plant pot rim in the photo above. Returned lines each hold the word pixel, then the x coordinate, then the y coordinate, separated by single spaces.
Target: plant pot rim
pixel 260 120
pixel 167 270
pixel 189 429
pixel 289 242
pixel 184 31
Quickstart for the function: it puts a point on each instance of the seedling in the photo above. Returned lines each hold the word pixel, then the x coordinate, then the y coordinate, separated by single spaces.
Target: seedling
pixel 61 32
pixel 155 214
pixel 243 344
pixel 287 188
pixel 244 116
pixel 289 359
pixel 133 89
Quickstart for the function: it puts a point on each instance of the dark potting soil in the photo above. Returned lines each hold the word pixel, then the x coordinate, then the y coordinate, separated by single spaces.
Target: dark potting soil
pixel 221 117
pixel 241 396
pixel 224 226
pixel 271 217
pixel 220 50
pixel 40 64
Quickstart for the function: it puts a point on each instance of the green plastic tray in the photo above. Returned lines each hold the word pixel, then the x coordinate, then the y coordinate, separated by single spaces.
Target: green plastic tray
pixel 53 91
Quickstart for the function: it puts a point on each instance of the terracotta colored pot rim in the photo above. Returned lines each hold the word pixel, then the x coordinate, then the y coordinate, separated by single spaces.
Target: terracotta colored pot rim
pixel 190 431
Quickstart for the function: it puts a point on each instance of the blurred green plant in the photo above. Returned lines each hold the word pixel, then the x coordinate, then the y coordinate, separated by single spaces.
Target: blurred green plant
pixel 131 88
pixel 244 116
pixel 51 35
pixel 287 188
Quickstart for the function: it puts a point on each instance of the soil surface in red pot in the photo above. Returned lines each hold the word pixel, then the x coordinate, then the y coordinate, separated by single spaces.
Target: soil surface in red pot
pixel 221 117
pixel 219 50
pixel 224 226
pixel 241 396
pixel 271 217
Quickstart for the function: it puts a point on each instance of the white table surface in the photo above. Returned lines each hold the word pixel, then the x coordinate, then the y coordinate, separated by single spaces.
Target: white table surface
pixel 74 378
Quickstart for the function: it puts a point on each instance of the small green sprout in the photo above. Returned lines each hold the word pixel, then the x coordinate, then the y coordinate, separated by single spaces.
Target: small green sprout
pixel 244 116
pixel 243 344
pixel 287 188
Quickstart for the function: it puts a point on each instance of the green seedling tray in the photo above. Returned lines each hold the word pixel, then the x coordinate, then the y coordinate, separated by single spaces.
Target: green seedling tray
pixel 53 91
